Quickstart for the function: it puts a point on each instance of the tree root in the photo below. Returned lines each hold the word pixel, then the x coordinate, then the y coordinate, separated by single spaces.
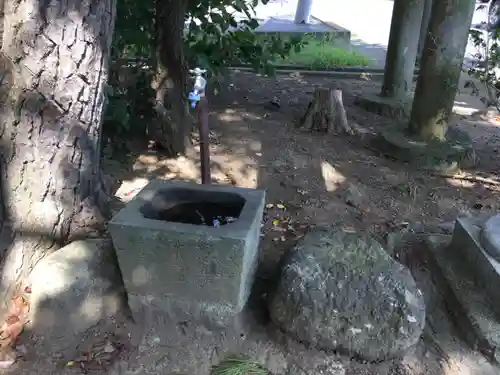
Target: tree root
pixel 469 178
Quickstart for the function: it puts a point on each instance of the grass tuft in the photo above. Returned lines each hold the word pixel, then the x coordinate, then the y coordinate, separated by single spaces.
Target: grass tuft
pixel 238 366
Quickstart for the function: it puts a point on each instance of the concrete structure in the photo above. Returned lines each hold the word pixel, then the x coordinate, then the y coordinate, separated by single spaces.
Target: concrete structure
pixel 468 240
pixel 192 271
pixel 490 240
pixel 469 279
pixel 286 26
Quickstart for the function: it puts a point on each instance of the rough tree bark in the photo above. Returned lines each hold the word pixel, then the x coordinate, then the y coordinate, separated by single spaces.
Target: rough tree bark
pixel 173 120
pixel 57 55
pixel 326 113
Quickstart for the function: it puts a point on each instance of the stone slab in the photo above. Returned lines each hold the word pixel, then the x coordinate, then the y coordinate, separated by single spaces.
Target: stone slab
pixel 466 243
pixel 206 272
pixel 396 108
pixel 466 300
pixel 490 238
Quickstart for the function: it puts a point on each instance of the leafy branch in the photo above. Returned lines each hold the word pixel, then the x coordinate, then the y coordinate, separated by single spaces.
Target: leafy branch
pixel 488 70
pixel 218 34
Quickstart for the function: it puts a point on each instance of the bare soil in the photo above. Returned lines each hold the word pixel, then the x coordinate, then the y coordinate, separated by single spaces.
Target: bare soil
pixel 312 180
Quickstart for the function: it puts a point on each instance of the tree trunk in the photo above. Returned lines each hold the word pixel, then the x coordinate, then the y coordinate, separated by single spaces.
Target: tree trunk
pixel 424 28
pixel 56 55
pixel 403 48
pixel 326 113
pixel 173 120
pixel 440 68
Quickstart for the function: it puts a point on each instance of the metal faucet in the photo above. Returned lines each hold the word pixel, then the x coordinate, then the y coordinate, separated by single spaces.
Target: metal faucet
pixel 199 86
pixel 198 96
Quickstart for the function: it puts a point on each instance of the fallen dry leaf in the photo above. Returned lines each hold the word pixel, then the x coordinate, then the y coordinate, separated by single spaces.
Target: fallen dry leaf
pixel 20 306
pixel 98 357
pixel 7 357
pixel 11 329
pixel 12 319
pixel 6 363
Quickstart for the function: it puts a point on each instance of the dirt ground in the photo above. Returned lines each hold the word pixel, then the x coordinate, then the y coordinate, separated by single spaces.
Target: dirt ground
pixel 320 180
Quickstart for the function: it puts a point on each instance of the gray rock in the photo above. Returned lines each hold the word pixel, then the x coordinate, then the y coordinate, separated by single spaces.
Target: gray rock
pixel 490 237
pixel 327 368
pixel 355 196
pixel 342 291
pixel 73 289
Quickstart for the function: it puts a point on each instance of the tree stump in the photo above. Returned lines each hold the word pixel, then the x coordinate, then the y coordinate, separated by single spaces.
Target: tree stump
pixel 326 113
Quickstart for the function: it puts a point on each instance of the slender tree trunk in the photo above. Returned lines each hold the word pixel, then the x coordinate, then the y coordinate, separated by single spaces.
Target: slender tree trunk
pixel 403 48
pixel 173 122
pixel 56 55
pixel 424 28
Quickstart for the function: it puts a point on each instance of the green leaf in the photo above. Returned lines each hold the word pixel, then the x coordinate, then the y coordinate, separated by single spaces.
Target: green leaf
pixel 217 18
pixel 253 23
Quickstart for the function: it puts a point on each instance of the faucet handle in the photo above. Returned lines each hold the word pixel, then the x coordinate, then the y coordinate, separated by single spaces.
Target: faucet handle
pixel 197 71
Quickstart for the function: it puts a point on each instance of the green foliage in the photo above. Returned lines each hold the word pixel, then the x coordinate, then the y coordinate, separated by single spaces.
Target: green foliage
pixel 214 40
pixel 488 73
pixel 238 366
pixel 129 97
pixel 134 29
pixel 129 94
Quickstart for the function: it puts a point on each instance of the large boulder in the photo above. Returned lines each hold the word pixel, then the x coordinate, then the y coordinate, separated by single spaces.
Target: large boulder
pixel 72 290
pixel 342 291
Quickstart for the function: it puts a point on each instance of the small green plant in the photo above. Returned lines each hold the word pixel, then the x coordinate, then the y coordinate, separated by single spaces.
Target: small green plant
pixel 238 366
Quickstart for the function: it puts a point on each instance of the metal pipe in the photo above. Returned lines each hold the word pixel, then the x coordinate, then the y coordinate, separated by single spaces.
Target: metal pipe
pixel 204 140
pixel 198 99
